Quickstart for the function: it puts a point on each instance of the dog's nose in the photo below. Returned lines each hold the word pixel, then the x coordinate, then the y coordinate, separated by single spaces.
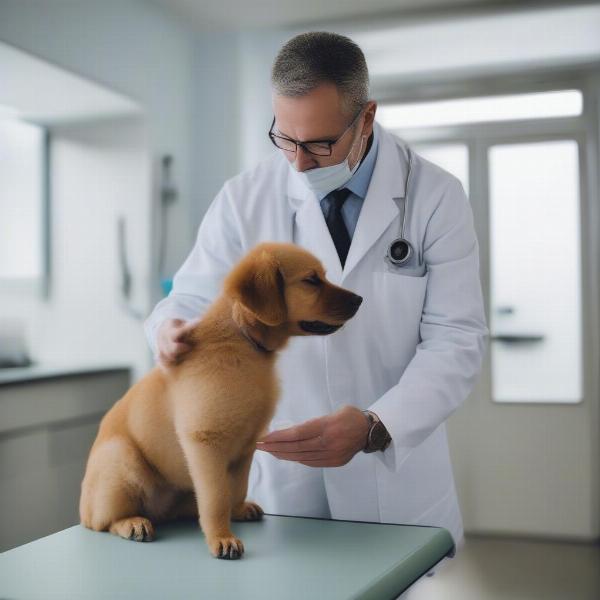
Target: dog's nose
pixel 356 300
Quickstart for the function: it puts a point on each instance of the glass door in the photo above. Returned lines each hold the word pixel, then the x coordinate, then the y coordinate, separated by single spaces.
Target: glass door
pixel 535 264
pixel 535 272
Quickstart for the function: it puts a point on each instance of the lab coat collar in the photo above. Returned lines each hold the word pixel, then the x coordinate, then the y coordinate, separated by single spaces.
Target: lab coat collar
pixel 377 212
pixel 379 209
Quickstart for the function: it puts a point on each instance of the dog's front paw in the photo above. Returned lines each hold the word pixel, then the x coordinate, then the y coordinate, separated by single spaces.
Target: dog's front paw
pixel 228 547
pixel 247 511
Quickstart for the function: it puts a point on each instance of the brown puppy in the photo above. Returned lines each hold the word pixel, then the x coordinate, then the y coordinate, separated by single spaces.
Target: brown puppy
pixel 180 442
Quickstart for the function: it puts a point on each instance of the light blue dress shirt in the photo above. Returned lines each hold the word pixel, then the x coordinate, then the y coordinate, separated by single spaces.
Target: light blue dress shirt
pixel 358 186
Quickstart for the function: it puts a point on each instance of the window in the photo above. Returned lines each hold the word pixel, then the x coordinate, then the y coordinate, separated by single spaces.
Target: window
pixel 452 157
pixel 535 272
pixel 563 103
pixel 22 202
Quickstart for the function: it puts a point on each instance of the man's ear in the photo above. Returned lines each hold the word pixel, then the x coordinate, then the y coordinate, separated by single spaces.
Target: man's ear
pixel 258 286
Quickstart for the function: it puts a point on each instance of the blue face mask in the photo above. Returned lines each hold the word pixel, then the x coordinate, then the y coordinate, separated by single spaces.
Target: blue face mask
pixel 322 180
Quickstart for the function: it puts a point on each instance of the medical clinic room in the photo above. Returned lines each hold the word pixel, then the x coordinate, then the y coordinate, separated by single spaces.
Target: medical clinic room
pixel 299 300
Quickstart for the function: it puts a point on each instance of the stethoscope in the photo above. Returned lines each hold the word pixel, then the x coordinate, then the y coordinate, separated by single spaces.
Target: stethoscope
pixel 400 249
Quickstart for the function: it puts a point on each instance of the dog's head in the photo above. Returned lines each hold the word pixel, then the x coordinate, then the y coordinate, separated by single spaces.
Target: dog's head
pixel 283 285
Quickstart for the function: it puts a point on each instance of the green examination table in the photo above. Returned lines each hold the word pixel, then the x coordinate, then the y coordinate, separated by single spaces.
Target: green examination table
pixel 288 558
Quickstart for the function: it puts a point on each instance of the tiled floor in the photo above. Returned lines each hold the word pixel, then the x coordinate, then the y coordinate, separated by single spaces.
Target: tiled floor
pixel 508 569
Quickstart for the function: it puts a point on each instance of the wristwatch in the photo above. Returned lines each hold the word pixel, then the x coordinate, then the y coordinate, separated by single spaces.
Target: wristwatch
pixel 378 437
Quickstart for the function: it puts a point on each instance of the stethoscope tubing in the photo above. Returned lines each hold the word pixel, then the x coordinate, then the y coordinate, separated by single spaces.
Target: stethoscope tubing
pixel 402 240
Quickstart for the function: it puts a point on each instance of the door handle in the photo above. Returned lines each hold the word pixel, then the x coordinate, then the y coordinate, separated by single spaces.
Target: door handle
pixel 518 338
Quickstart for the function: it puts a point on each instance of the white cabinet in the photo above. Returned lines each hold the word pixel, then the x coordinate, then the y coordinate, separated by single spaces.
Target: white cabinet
pixel 48 421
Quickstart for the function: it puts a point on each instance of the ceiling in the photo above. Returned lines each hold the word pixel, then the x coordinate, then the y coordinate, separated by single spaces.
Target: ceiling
pixel 66 97
pixel 244 14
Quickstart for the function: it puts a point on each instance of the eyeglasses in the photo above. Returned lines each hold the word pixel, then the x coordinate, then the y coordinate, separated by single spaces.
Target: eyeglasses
pixel 319 148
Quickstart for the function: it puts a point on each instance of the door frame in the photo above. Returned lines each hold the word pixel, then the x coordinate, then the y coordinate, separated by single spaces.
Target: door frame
pixel 479 137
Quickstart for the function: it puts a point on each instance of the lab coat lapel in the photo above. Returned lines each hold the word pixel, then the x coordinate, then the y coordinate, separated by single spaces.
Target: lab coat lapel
pixel 379 209
pixel 310 229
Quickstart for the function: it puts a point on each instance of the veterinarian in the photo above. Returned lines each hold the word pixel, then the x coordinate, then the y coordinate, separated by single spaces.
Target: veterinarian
pixel 337 184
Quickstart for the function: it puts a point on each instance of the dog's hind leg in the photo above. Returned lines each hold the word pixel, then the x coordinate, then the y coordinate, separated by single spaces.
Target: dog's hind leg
pixel 112 491
pixel 139 529
pixel 184 507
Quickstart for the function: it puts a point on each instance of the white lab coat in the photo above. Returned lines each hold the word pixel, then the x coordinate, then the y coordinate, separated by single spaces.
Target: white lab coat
pixel 411 353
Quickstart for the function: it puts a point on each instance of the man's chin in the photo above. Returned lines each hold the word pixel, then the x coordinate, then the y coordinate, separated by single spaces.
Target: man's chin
pixel 318 327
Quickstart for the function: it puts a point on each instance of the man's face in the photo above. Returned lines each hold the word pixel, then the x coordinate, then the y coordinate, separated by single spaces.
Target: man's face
pixel 319 115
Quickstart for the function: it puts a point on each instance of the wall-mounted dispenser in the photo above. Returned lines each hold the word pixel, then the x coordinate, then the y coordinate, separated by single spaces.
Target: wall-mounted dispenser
pixel 168 194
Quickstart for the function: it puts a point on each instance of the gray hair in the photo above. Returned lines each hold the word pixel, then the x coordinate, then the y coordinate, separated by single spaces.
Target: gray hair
pixel 311 59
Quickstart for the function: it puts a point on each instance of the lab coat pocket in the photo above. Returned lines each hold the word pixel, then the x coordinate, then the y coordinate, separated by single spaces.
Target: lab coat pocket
pixel 407 271
pixel 398 301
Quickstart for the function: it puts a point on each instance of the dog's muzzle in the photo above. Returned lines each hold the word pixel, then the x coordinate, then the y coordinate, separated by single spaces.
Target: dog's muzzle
pixel 318 327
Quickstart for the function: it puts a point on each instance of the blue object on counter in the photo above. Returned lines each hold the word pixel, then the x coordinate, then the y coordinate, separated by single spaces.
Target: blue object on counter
pixel 166 285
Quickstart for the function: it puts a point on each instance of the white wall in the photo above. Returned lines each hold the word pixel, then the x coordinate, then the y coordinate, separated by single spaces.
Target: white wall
pixel 257 52
pixel 186 85
pixel 216 117
pixel 490 39
pixel 129 46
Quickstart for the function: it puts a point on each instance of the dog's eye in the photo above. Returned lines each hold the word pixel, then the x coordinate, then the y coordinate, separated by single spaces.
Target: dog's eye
pixel 314 280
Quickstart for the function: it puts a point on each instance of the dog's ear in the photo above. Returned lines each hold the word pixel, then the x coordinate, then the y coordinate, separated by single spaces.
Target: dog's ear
pixel 258 285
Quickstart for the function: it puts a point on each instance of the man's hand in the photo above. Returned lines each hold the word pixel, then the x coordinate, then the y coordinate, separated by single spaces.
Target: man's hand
pixel 171 342
pixel 329 441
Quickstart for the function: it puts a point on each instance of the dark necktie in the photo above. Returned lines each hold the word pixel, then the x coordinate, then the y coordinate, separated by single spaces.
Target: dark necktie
pixel 335 222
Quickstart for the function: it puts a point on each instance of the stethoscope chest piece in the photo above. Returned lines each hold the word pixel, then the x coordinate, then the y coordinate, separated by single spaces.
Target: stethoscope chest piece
pixel 400 249
pixel 399 252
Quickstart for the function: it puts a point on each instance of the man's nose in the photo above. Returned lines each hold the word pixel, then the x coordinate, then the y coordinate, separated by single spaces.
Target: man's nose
pixel 304 160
